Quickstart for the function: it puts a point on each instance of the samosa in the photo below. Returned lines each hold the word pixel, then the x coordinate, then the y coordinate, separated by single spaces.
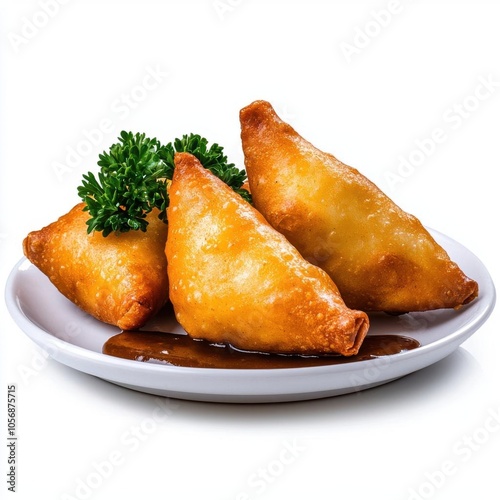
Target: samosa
pixel 119 279
pixel 380 257
pixel 235 280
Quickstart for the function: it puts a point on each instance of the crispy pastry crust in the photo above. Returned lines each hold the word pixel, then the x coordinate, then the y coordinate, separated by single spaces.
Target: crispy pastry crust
pixel 120 279
pixel 234 279
pixel 380 257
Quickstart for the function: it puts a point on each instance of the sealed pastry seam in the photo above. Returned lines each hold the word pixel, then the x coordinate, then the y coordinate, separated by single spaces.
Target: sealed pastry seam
pixel 380 257
pixel 118 279
pixel 234 279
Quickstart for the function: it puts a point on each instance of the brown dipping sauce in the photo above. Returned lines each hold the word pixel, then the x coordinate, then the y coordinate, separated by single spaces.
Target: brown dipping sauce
pixel 182 350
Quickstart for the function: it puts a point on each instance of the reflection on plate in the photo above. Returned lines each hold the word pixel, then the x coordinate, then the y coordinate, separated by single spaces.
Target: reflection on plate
pixel 76 339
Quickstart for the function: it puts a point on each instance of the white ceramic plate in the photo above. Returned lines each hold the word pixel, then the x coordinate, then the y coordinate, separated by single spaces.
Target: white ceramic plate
pixel 76 339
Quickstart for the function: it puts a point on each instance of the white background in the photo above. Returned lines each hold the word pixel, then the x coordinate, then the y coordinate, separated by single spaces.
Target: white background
pixel 368 99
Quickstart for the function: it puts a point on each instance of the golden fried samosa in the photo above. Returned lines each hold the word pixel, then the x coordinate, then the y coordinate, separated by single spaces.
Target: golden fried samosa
pixel 380 257
pixel 235 280
pixel 120 279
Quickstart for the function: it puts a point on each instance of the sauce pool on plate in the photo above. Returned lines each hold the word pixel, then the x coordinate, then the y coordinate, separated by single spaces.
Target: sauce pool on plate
pixel 182 350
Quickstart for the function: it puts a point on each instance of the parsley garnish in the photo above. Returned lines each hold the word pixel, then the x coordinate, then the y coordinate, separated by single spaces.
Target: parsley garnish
pixel 134 176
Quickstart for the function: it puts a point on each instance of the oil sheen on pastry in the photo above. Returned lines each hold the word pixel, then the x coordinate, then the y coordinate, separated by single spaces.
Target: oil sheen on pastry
pixel 380 257
pixel 235 280
pixel 120 279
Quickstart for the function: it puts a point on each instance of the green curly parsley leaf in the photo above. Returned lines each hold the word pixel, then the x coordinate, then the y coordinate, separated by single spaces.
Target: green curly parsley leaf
pixel 134 175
